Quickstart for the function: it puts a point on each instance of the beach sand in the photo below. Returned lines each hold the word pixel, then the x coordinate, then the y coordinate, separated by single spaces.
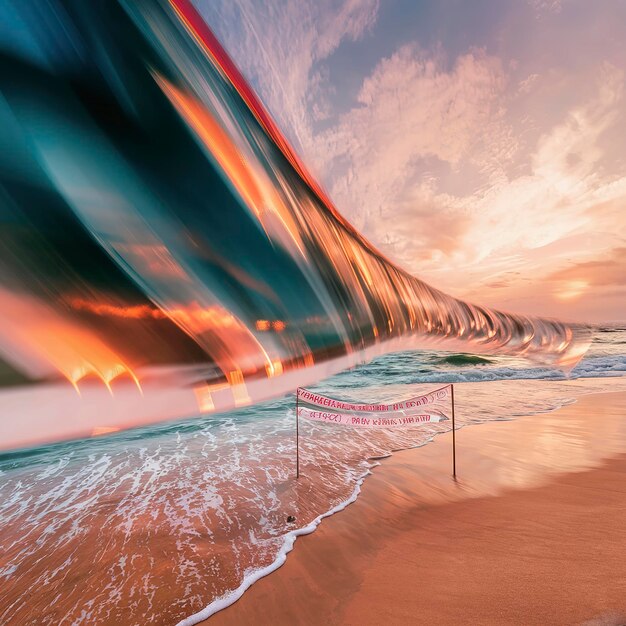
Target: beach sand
pixel 532 532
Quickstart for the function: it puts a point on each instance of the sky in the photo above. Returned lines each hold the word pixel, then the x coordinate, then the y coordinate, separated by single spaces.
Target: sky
pixel 480 145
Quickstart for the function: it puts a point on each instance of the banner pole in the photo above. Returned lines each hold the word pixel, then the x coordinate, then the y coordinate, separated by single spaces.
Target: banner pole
pixel 453 436
pixel 297 437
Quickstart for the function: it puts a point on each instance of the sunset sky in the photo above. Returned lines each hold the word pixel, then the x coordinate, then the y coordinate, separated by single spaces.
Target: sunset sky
pixel 480 145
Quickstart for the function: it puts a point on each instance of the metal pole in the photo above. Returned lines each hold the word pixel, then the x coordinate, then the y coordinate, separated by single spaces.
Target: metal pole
pixel 453 437
pixel 297 437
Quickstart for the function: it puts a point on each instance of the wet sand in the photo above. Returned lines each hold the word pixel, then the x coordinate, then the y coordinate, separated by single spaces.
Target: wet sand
pixel 532 532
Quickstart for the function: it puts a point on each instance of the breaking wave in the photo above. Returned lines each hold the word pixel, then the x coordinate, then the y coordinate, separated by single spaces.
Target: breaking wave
pixel 155 219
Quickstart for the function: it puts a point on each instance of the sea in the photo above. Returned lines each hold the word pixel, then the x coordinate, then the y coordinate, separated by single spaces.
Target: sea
pixel 169 524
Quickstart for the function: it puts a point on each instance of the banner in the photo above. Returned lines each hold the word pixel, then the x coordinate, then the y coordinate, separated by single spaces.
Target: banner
pixel 316 399
pixel 370 421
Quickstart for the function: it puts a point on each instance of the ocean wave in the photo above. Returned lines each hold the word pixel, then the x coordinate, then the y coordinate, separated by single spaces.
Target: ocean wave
pixel 464 359
pixel 593 367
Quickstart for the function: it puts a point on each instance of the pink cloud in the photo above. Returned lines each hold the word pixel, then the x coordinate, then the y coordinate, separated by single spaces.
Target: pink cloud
pixel 608 271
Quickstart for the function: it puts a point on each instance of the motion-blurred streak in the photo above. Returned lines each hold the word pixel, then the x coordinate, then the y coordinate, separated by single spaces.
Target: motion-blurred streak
pixel 159 231
pixel 44 344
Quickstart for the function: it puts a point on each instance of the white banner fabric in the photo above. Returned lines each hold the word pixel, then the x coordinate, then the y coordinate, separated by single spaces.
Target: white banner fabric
pixel 369 421
pixel 431 397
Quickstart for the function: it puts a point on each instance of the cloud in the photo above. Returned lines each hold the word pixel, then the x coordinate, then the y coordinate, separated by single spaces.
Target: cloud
pixel 527 83
pixel 608 271
pixel 279 46
pixel 412 112
pixel 542 7
pixel 589 290
pixel 565 185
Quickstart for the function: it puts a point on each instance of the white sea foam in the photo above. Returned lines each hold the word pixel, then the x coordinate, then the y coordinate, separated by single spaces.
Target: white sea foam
pixel 256 574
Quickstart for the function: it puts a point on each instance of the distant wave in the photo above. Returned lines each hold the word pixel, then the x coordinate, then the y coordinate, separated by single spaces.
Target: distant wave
pixel 596 367
pixel 464 359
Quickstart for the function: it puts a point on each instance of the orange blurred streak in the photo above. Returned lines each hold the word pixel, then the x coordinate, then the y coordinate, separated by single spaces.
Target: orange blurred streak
pixel 204 398
pixel 153 259
pixel 224 336
pixel 238 388
pixel 103 430
pixel 274 369
pixel 265 325
pixel 204 395
pixel 259 195
pixel 137 312
pixel 196 318
pixel 45 336
pixel 200 320
pixel 218 142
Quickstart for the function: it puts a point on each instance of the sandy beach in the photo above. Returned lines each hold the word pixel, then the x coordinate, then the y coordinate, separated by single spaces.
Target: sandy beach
pixel 533 531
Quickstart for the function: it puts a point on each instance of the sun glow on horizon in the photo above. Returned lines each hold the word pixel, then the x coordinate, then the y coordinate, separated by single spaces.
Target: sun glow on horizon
pixel 572 290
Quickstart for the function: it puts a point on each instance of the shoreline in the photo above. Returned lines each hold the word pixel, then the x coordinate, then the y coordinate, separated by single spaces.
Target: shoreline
pixel 420 482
